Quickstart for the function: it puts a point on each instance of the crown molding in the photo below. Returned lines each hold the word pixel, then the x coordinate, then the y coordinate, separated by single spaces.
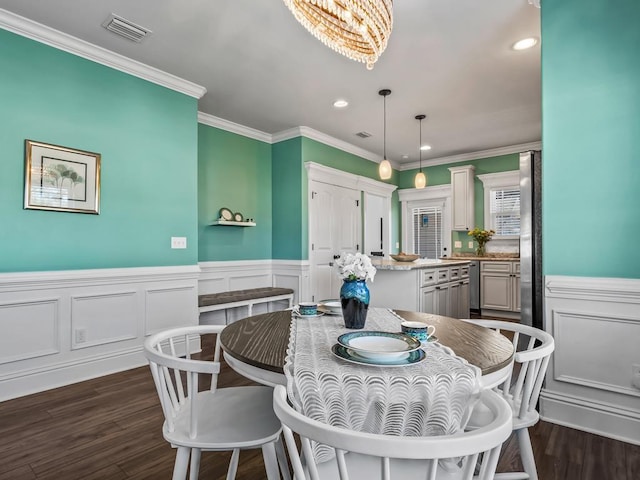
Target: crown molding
pixel 322 173
pixel 327 140
pixel 41 33
pixel 233 127
pixel 427 193
pixel 463 157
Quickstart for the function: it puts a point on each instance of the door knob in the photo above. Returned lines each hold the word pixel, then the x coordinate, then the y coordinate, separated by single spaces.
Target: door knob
pixel 336 257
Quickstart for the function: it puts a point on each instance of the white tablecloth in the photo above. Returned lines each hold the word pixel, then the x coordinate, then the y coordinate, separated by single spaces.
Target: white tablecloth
pixel 432 397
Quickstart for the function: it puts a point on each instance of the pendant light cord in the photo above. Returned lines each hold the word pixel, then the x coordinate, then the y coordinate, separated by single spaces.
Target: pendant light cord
pixel 420 146
pixel 384 126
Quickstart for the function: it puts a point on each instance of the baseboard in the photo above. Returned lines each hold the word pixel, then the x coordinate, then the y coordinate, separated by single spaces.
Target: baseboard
pixel 58 375
pixel 600 419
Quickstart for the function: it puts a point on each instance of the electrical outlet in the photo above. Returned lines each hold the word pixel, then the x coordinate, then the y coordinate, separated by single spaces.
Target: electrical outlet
pixel 178 242
pixel 457 244
pixel 81 335
pixel 470 244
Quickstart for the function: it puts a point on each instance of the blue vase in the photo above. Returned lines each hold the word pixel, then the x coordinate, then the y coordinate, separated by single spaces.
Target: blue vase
pixel 354 297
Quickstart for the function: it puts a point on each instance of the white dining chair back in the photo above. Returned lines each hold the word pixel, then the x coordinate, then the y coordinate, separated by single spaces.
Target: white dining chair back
pixel 370 456
pixel 199 416
pixel 533 349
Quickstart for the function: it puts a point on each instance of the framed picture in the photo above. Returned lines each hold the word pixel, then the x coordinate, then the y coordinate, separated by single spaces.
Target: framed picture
pixel 61 179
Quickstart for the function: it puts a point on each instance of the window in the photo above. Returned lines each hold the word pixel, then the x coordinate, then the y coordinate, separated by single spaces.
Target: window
pixel 502 203
pixel 427 231
pixel 504 210
pixel 426 221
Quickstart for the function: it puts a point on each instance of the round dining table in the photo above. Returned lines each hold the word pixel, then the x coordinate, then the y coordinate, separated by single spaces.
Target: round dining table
pixel 256 346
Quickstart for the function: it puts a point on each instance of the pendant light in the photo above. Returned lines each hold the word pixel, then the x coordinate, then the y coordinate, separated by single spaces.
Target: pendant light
pixel 385 166
pixel 421 178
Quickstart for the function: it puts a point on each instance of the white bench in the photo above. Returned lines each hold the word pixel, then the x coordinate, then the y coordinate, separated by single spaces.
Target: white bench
pixel 243 298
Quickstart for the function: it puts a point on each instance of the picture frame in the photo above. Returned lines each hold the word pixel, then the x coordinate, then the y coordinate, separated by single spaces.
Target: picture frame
pixel 61 179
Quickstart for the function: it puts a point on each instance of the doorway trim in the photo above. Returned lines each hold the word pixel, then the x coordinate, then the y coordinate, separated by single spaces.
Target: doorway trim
pixel 410 196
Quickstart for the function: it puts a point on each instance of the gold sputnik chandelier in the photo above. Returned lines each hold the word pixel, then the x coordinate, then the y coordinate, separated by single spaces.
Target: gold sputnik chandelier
pixel 357 29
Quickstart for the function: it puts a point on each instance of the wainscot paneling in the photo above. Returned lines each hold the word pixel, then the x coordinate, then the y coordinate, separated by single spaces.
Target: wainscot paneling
pixel 243 274
pixel 29 329
pixel 64 327
pixel 593 382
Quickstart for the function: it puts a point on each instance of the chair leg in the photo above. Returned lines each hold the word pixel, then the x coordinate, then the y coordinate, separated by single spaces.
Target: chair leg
pixel 233 464
pixel 526 453
pixel 270 461
pixel 195 464
pixel 182 462
pixel 282 459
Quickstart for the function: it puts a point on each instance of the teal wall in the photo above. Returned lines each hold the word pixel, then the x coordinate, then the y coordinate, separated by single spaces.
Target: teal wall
pixel 590 133
pixel 147 136
pixel 440 175
pixel 233 172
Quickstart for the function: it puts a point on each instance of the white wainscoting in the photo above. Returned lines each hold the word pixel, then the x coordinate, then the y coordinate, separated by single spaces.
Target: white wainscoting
pixel 59 328
pixel 244 274
pixel 590 384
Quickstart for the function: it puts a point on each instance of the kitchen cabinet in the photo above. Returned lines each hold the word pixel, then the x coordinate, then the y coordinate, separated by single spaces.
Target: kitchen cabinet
pixel 445 291
pixel 500 286
pixel 462 189
pixel 441 289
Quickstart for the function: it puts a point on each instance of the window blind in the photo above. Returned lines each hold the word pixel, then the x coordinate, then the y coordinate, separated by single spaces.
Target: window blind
pixel 505 210
pixel 427 231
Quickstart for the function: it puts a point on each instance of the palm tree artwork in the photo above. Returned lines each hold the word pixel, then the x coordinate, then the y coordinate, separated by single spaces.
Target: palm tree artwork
pixel 57 175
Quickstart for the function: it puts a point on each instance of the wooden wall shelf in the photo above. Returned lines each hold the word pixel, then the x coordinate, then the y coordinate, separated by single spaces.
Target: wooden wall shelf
pixel 229 223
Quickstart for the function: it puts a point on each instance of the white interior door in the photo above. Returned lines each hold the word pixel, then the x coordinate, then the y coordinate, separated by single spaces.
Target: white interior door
pixel 334 227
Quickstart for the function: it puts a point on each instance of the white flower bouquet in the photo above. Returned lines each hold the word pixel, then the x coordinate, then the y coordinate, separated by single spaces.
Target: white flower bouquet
pixel 356 266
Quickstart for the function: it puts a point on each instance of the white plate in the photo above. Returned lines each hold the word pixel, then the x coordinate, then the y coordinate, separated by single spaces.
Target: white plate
pixel 350 356
pixel 379 345
pixel 326 311
pixel 294 314
pixel 332 305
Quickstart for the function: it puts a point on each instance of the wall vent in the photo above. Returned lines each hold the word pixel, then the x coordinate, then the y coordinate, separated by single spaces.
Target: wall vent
pixel 125 28
pixel 363 134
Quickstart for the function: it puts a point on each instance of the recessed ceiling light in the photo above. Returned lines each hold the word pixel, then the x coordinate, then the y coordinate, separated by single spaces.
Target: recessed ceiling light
pixel 525 43
pixel 405 156
pixel 425 147
pixel 340 103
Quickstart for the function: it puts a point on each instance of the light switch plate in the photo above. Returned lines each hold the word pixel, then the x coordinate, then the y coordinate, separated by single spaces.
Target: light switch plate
pixel 178 242
pixel 457 244
pixel 470 244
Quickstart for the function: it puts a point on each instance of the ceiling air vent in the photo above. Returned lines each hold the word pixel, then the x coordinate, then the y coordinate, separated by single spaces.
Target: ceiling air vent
pixel 125 28
pixel 363 134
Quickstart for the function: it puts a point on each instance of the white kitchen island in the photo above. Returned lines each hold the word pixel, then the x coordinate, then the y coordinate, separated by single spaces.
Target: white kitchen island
pixel 440 287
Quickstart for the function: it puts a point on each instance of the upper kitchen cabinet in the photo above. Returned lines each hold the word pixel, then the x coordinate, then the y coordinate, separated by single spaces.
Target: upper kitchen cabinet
pixel 463 200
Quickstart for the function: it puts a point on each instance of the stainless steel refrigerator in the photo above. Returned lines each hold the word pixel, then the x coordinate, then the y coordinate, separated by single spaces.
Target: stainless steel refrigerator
pixel 531 309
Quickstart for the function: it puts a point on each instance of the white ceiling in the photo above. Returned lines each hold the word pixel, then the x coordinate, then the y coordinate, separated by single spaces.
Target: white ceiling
pixel 448 59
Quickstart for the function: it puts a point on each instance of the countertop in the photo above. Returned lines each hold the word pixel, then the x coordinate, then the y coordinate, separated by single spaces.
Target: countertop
pixel 493 257
pixel 388 264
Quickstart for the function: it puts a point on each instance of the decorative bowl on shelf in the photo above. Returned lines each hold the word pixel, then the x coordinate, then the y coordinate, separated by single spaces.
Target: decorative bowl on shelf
pixel 405 257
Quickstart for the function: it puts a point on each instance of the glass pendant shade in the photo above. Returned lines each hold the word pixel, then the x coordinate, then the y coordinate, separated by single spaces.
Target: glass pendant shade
pixel 385 169
pixel 421 180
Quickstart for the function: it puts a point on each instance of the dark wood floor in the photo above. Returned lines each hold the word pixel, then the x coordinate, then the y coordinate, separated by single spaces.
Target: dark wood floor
pixel 110 428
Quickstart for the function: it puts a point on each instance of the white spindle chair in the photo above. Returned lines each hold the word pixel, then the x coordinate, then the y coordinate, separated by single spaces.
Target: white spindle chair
pixel 370 456
pixel 522 388
pixel 208 418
